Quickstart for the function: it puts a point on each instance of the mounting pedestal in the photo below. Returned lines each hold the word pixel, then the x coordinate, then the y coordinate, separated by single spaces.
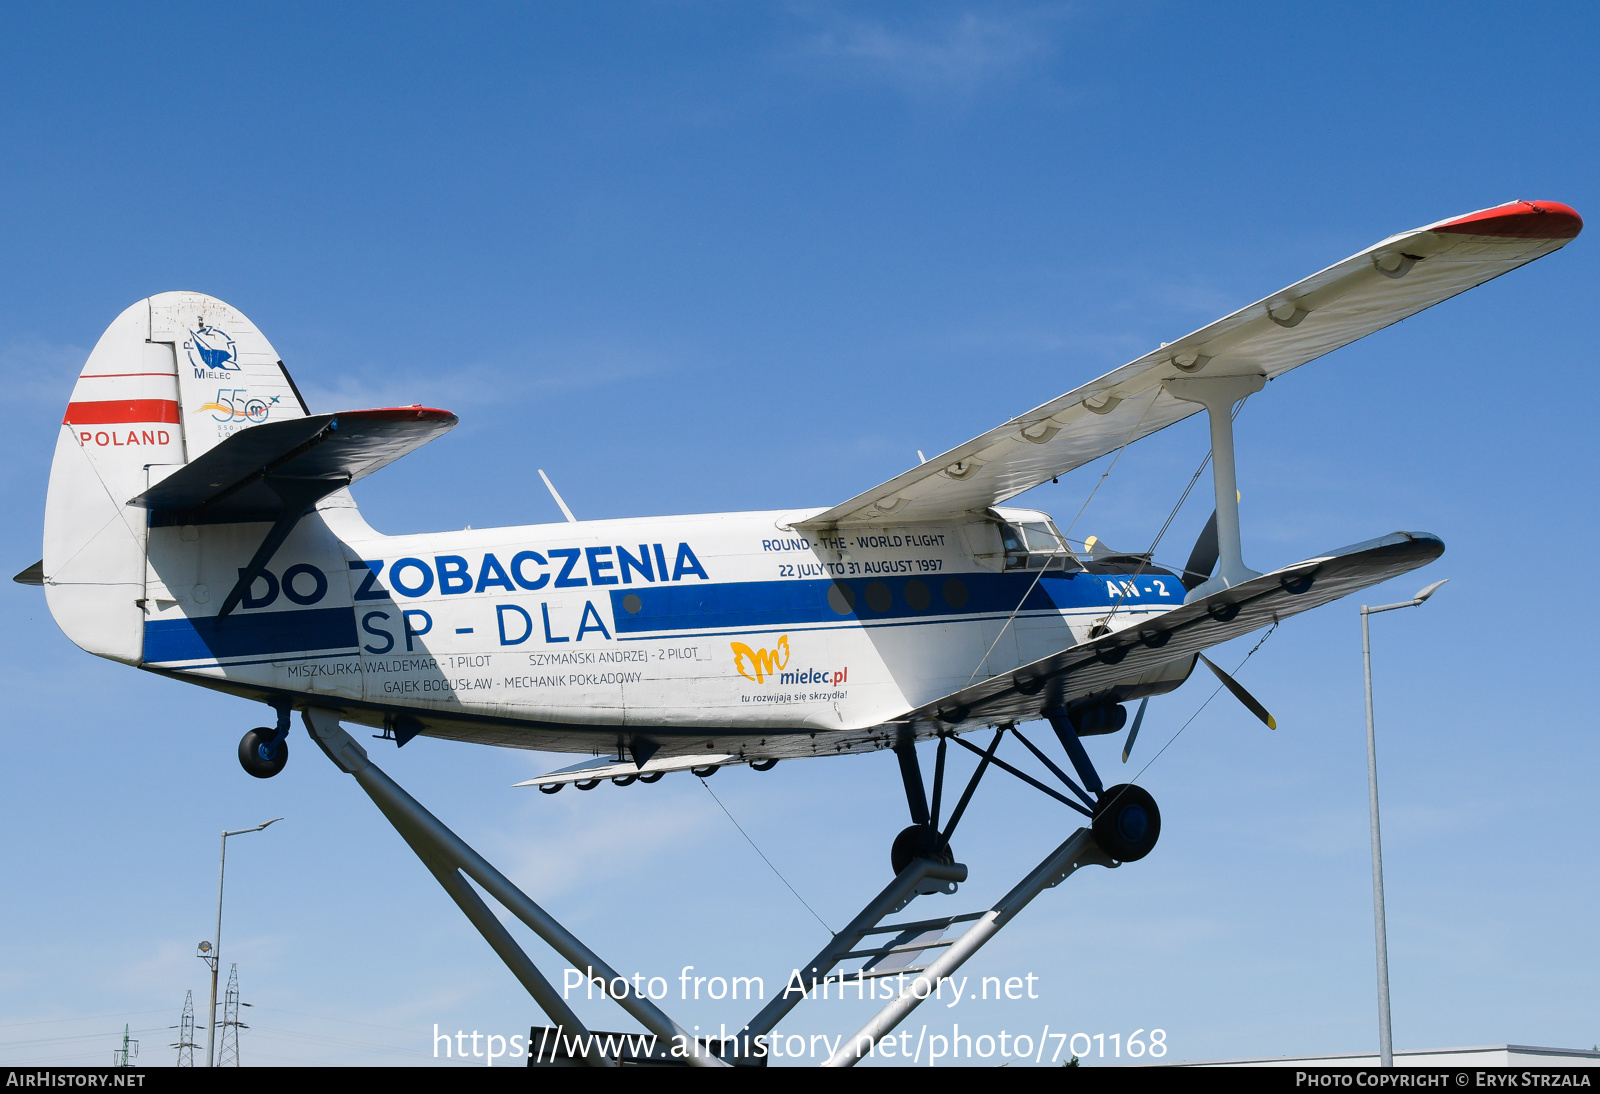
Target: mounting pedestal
pixel 1080 849
pixel 452 862
pixel 448 857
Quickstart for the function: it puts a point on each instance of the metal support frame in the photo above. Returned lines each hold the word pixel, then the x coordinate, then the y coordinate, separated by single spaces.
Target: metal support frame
pixel 1080 849
pixel 895 896
pixel 452 862
pixel 448 857
pixel 1219 394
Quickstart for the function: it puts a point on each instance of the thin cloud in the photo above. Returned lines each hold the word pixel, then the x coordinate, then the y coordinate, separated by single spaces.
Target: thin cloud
pixel 960 53
pixel 476 384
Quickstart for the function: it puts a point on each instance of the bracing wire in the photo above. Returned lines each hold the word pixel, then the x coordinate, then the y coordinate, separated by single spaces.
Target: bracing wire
pixel 1103 476
pixel 766 860
pixel 1205 704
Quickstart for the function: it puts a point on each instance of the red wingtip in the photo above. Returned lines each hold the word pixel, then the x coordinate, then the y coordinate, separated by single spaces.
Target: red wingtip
pixel 1519 220
pixel 413 412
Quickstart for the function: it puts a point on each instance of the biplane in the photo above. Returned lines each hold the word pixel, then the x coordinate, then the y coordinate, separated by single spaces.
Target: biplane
pixel 200 525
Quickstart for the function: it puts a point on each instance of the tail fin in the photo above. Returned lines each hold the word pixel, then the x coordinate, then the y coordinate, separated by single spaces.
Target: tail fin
pixel 171 378
pixel 229 376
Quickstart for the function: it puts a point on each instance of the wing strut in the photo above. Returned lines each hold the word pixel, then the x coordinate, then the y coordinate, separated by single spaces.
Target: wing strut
pixel 1218 394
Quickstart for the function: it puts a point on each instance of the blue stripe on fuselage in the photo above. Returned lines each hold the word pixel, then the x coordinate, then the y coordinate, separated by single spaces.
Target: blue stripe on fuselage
pixel 792 603
pixel 249 635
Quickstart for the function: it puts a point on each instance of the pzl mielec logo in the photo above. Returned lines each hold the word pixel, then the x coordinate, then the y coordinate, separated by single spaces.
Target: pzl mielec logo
pixel 775 661
pixel 215 350
pixel 764 663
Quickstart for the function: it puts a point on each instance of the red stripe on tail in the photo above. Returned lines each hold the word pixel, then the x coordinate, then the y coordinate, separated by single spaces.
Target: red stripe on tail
pixel 115 411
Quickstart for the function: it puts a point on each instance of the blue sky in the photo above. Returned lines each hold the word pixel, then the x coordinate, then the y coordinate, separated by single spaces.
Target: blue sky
pixel 703 257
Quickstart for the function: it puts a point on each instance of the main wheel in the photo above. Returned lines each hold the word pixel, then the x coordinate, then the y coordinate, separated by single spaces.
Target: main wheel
pixel 251 747
pixel 919 841
pixel 1127 823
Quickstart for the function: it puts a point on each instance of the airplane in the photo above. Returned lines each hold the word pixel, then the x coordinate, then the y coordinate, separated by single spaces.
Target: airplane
pixel 200 525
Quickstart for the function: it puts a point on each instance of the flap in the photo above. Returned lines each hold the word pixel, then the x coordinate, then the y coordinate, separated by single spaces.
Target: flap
pixel 606 767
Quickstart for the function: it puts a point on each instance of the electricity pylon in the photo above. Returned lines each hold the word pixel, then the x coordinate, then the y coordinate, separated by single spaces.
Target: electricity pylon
pixel 185 1044
pixel 228 1055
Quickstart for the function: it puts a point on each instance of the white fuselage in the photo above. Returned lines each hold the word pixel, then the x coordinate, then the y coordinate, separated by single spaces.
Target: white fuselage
pixel 728 623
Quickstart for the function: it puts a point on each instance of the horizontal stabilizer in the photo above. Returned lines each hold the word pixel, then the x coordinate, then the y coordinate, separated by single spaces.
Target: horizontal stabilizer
pixel 242 478
pixel 33 575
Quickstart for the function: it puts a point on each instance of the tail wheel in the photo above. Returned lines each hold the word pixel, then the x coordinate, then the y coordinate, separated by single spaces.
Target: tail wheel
pixel 1127 822
pixel 253 753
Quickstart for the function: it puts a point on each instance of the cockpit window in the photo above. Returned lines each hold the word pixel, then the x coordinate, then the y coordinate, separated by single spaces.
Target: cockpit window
pixel 1036 546
pixel 1042 538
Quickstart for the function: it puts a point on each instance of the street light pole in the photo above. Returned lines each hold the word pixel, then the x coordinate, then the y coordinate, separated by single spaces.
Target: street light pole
pixel 1380 922
pixel 214 958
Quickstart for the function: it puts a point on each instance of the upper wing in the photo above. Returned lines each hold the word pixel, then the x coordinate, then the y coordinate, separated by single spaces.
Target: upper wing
pixel 1383 284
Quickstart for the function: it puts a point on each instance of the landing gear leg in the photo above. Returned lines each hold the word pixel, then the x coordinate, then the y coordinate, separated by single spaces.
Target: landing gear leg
pixel 922 839
pixel 263 751
pixel 1126 820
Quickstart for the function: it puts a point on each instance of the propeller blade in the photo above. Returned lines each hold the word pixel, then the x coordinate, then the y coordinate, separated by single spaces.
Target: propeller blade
pixel 1134 732
pixel 1203 559
pixel 1242 695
